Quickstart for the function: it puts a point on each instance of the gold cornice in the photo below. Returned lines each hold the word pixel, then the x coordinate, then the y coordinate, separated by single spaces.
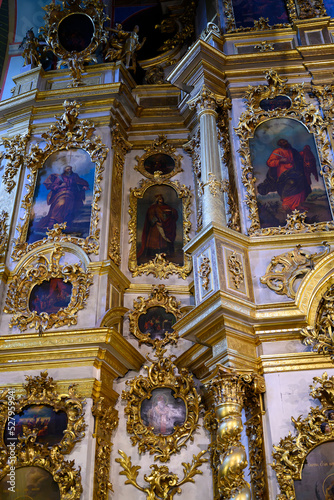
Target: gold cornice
pixel 79 345
pixel 272 33
pixel 262 242
pixel 138 288
pixel 312 23
pixel 85 387
pixel 275 363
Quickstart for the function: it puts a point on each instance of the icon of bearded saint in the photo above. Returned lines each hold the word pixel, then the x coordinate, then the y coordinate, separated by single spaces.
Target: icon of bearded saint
pixel 159 230
pixel 66 197
pixel 289 174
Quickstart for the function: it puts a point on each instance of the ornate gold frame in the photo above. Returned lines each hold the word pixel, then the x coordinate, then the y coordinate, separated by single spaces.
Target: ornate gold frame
pixel 31 454
pixel 67 133
pixel 159 298
pixel 36 270
pixel 161 375
pixel 301 110
pixel 55 15
pixel 160 145
pixel 292 451
pixel 159 266
pixel 42 390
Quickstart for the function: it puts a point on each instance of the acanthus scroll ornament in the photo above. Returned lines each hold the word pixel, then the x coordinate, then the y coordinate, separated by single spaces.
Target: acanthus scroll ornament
pixel 235 268
pixel 206 100
pixel 204 271
pixel 15 150
pixel 285 269
pixel 162 484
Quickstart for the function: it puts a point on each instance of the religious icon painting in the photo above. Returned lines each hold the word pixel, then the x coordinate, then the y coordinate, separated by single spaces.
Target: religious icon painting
pixel 159 228
pixel 246 12
pixel 31 483
pixel 152 320
pixel 63 187
pixel 49 424
pixel 63 194
pixel 42 413
pixel 287 171
pixel 163 412
pixel 159 160
pixel 162 409
pixel 286 160
pixel 44 294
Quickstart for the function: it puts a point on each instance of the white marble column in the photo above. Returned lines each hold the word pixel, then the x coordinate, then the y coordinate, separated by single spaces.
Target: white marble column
pixel 206 103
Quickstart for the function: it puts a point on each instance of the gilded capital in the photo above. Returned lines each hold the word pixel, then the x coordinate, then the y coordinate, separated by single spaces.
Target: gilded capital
pixel 208 101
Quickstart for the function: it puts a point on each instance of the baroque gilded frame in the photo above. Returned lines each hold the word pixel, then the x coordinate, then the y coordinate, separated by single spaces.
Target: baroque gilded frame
pixel 160 267
pixel 56 14
pixel 159 297
pixel 161 375
pixel 160 145
pixel 36 270
pixel 67 133
pixel 42 390
pixel 300 110
pixel 291 452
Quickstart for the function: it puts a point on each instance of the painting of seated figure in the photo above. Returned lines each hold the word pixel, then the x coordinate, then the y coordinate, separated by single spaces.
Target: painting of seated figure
pixel 287 171
pixel 63 193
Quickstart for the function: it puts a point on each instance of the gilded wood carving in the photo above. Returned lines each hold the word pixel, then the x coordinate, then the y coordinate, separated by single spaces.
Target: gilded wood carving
pixel 160 157
pixel 162 408
pixel 285 269
pixel 159 228
pixel 69 136
pixel 44 294
pixel 3 231
pixel 15 150
pixel 162 483
pixel 34 423
pixel 314 430
pixel 74 31
pixel 151 321
pixel 287 108
pixel 106 420
pixel 320 336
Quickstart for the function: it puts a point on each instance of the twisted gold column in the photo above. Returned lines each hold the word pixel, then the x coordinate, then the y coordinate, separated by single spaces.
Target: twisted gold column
pixel 228 389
